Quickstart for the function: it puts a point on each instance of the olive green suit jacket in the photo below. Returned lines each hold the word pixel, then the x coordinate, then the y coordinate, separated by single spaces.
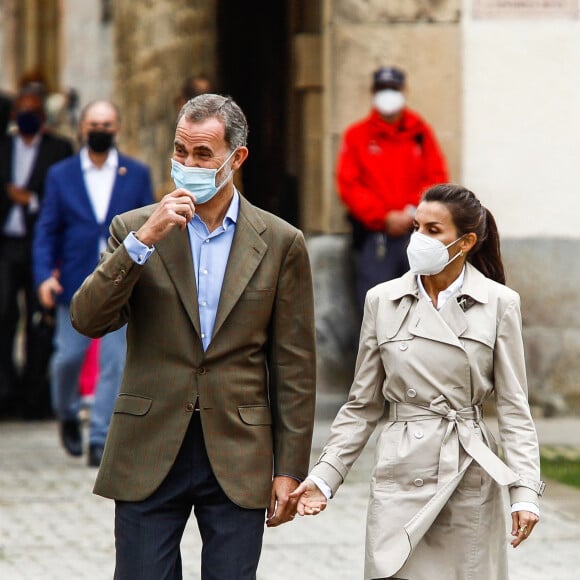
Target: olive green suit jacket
pixel 255 383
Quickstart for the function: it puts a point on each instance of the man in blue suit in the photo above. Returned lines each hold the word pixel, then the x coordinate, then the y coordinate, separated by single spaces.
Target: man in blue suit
pixel 83 194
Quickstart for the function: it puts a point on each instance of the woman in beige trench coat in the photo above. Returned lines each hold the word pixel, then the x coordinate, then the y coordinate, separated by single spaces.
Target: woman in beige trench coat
pixel 434 345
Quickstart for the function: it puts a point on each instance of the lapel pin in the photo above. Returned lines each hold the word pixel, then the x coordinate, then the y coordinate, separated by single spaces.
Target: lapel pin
pixel 465 302
pixel 122 170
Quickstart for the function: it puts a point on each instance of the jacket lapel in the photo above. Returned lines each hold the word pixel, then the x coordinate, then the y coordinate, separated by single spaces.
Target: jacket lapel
pixel 83 193
pixel 39 165
pixel 122 178
pixel 248 249
pixel 175 252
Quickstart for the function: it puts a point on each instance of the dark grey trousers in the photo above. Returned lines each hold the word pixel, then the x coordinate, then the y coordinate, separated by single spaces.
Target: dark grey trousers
pixel 148 533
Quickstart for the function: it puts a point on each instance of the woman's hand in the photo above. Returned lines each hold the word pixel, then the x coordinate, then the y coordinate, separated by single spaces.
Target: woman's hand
pixel 522 525
pixel 311 501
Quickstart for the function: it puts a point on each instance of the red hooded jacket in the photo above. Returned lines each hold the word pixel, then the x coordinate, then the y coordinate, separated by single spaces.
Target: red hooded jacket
pixel 387 166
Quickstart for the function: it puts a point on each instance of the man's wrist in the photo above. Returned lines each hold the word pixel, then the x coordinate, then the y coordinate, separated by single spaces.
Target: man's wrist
pixel 137 249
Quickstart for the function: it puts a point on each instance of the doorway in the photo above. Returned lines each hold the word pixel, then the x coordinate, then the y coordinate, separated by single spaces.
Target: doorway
pixel 255 70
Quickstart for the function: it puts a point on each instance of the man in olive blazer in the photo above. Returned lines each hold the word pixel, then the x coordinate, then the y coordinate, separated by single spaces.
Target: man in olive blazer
pixel 244 395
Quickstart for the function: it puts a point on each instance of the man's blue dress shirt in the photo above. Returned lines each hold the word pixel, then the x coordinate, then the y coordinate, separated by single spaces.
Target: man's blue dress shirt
pixel 210 257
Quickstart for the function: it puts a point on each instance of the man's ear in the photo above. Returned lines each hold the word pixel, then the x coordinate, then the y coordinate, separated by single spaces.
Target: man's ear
pixel 240 156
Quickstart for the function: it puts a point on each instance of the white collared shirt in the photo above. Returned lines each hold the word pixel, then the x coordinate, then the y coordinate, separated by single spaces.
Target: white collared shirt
pixel 99 181
pixel 444 295
pixel 23 159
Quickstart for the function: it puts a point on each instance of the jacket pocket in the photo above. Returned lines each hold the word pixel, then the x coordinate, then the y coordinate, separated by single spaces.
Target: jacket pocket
pixel 259 294
pixel 132 404
pixel 255 414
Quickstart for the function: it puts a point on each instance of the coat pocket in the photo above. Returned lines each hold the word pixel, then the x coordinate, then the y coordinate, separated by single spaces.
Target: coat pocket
pixel 132 404
pixel 255 414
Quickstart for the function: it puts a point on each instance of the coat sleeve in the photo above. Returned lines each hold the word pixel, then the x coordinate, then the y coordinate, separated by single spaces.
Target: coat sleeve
pixel 518 436
pixel 100 305
pixel 358 417
pixel 292 363
pixel 47 231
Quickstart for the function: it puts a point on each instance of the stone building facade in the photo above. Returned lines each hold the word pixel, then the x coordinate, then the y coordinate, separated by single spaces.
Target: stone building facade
pixel 498 81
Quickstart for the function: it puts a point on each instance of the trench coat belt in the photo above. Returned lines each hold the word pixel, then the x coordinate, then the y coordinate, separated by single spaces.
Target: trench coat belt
pixel 458 432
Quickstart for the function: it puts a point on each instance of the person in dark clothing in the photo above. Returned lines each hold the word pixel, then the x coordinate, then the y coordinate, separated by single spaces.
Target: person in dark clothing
pixel 24 162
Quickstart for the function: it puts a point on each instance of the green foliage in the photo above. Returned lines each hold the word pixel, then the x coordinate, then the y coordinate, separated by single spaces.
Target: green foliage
pixel 563 469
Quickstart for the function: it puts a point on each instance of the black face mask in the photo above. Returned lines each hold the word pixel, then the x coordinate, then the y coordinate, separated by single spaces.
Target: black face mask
pixel 29 123
pixel 100 141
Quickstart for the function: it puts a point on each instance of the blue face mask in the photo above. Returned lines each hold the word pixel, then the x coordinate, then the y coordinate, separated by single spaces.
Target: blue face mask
pixel 197 180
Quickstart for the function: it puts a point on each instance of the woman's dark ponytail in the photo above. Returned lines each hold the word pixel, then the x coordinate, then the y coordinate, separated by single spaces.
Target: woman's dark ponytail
pixel 486 257
pixel 469 216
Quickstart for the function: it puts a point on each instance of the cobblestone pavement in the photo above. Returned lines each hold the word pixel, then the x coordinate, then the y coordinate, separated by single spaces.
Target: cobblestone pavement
pixel 53 528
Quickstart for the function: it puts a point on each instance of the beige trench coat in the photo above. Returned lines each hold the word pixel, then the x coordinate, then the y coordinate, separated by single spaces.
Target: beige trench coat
pixel 436 509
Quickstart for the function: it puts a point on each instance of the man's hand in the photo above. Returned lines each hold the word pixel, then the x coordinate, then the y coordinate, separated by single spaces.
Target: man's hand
pixel 398 223
pixel 282 507
pixel 18 195
pixel 175 209
pixel 311 501
pixel 47 292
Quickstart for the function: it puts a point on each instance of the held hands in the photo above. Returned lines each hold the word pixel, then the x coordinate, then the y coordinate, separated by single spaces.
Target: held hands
pixel 311 501
pixel 175 209
pixel 282 507
pixel 522 525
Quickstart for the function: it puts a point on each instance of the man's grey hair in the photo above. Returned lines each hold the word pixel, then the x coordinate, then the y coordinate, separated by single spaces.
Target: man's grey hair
pixel 210 106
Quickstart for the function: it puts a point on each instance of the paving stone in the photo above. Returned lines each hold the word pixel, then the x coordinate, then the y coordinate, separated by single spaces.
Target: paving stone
pixel 53 528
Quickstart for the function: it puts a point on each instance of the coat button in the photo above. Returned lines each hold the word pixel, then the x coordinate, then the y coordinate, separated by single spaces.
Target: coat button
pixel 403 346
pixel 411 393
pixel 189 407
pixel 201 371
pixel 418 482
pixel 419 434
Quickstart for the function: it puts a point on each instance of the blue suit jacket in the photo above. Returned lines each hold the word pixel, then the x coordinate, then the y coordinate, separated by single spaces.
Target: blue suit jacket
pixel 67 235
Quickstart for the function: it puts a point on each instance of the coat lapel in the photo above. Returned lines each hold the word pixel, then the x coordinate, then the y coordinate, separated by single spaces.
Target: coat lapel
pixel 454 316
pixel 175 252
pixel 426 322
pixel 248 249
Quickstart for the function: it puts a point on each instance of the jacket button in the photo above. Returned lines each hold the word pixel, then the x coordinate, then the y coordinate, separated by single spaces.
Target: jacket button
pixel 411 393
pixel 419 434
pixel 189 407
pixel 403 346
pixel 201 371
pixel 418 482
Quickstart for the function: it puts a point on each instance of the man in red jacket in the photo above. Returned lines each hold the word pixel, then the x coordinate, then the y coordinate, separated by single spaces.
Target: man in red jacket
pixel 385 163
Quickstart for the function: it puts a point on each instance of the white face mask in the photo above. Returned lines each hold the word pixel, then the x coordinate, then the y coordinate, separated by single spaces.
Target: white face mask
pixel 389 101
pixel 427 255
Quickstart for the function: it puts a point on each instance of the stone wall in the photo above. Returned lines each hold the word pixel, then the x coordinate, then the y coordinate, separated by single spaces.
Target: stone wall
pixel 158 44
pixel 87 50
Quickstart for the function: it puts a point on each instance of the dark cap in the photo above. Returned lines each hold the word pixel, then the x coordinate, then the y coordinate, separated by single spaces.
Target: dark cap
pixel 388 77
